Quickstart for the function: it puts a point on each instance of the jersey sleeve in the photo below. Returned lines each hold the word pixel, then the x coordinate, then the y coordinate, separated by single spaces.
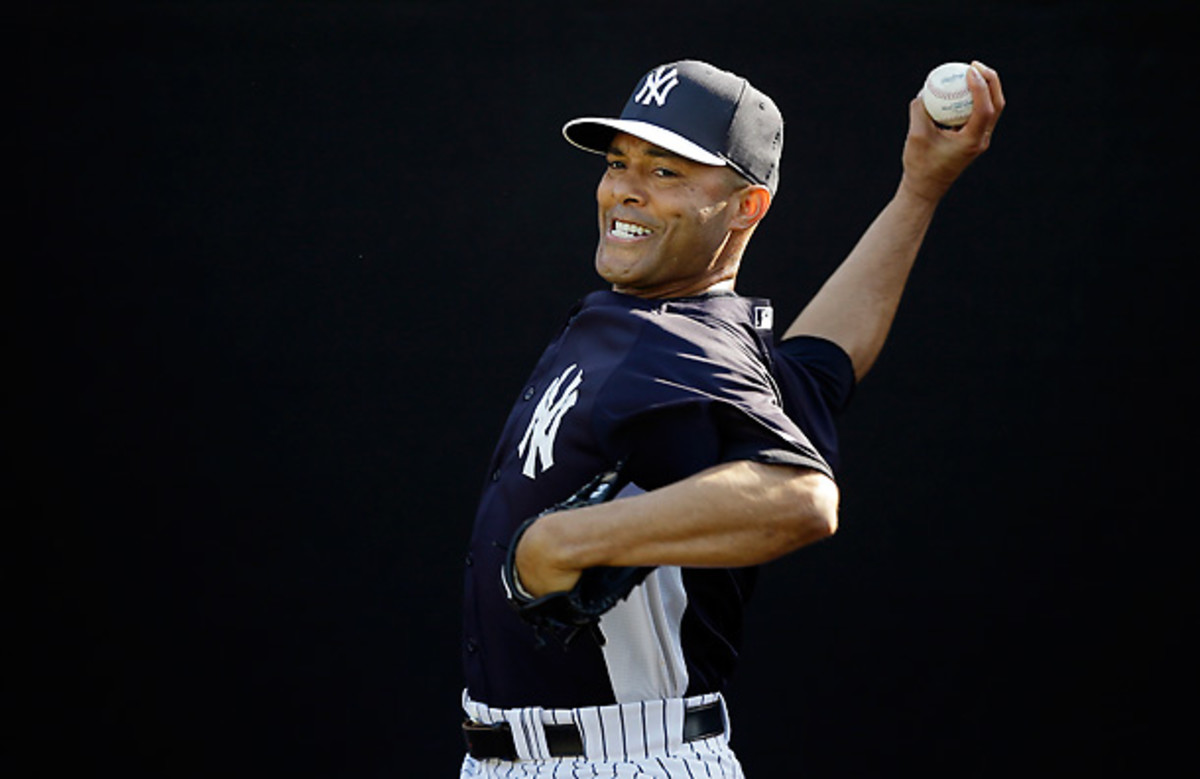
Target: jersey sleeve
pixel 816 379
pixel 684 403
pixel 821 363
pixel 666 444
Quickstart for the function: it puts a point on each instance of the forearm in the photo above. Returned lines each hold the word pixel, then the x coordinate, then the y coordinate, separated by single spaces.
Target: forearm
pixel 736 514
pixel 857 305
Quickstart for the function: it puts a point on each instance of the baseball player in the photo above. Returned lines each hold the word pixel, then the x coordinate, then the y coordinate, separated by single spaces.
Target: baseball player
pixel 665 444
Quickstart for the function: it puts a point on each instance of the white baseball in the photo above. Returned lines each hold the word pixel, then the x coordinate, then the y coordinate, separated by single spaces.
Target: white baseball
pixel 946 96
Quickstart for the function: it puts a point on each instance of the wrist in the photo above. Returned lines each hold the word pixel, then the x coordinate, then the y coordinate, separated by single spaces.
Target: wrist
pixel 921 193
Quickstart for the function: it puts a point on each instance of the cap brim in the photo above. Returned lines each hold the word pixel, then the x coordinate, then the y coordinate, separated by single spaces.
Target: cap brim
pixel 594 134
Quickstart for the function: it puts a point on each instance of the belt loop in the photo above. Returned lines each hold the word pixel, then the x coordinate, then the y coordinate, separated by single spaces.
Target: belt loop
pixel 528 735
pixel 725 718
pixel 589 723
pixel 673 713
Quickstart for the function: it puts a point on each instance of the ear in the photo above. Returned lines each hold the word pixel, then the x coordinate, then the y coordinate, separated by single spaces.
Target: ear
pixel 752 204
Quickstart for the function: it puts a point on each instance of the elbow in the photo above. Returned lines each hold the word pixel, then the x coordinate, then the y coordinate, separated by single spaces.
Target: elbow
pixel 824 497
pixel 815 507
pixel 785 508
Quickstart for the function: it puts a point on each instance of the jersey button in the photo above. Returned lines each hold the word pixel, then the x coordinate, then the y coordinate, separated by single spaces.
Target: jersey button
pixel 529 391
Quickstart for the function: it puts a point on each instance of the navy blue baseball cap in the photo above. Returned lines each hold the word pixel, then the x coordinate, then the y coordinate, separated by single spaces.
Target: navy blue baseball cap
pixel 700 112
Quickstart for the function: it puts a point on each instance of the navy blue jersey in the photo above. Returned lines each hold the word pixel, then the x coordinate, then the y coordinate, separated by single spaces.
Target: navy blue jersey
pixel 671 387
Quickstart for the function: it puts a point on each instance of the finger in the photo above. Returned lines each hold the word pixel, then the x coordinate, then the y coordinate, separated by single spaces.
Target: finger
pixel 983 113
pixel 924 129
pixel 919 121
pixel 993 81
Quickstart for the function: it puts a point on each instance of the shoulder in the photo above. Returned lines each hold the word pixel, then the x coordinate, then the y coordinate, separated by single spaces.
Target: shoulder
pixel 727 324
pixel 658 348
pixel 663 331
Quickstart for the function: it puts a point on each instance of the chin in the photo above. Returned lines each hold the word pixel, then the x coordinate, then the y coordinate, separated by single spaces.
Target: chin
pixel 613 270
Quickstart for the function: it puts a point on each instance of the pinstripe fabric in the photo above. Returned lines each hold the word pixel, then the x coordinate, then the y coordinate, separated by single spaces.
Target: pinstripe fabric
pixel 642 740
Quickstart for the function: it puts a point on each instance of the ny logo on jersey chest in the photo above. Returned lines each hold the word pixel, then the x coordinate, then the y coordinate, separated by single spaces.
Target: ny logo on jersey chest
pixel 537 445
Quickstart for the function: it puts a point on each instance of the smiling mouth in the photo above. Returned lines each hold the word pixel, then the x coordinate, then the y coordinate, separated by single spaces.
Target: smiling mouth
pixel 627 230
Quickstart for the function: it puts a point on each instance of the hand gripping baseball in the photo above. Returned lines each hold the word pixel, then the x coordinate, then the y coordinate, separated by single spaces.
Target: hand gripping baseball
pixel 564 614
pixel 934 157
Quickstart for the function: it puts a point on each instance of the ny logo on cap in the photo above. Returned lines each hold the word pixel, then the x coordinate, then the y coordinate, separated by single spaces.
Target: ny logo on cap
pixel 659 83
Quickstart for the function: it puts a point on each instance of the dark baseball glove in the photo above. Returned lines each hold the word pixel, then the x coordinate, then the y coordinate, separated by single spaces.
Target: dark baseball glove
pixel 564 615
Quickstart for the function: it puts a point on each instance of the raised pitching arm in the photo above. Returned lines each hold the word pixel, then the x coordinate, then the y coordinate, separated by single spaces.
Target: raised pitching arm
pixel 857 304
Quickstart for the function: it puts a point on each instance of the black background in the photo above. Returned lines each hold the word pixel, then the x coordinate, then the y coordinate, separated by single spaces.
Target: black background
pixel 288 263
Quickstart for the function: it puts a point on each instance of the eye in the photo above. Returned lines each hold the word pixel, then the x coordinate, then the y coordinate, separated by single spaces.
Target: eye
pixel 665 173
pixel 615 165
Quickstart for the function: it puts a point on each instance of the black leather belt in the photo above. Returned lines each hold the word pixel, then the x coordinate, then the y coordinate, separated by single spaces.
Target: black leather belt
pixel 496 741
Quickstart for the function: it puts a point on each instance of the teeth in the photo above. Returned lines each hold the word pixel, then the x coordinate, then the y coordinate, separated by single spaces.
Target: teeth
pixel 628 229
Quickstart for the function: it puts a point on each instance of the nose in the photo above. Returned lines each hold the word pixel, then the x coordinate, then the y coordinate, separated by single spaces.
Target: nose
pixel 628 188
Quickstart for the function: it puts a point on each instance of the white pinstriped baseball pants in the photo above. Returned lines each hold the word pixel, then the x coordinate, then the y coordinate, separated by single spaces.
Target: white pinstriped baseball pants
pixel 642 740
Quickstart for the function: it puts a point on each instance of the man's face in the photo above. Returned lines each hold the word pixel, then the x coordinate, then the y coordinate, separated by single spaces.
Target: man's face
pixel 665 221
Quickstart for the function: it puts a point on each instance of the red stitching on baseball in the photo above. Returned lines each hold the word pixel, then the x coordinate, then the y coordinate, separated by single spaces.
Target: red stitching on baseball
pixel 940 95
